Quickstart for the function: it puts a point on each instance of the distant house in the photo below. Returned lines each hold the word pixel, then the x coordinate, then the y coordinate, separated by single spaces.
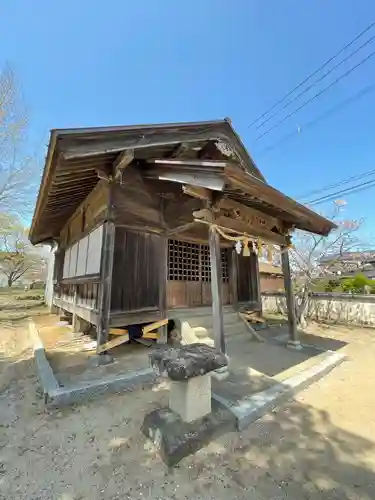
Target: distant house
pixel 271 277
pixel 350 263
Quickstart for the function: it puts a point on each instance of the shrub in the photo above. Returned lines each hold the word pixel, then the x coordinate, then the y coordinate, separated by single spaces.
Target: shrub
pixel 347 285
pixel 331 285
pixel 357 284
pixel 359 281
pixel 30 297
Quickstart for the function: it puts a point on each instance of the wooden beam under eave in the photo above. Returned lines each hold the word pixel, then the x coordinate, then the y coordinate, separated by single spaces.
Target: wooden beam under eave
pixel 307 219
pixel 241 227
pixel 211 182
pixel 187 162
pixel 249 213
pixel 180 229
pixel 122 161
pixel 92 150
pixel 197 192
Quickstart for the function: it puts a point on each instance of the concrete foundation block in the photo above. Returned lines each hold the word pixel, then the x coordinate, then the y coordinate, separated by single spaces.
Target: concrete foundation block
pixel 163 335
pixel 54 309
pixel 175 439
pixel 294 344
pixel 79 324
pixel 221 373
pixel 187 334
pixel 101 359
pixel 65 316
pixel 191 399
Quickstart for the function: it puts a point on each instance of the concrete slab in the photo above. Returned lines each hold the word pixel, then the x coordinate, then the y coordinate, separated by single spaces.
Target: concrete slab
pixel 175 439
pixel 240 384
pixel 57 395
pixel 268 358
pixel 65 396
pixel 46 376
pixel 248 410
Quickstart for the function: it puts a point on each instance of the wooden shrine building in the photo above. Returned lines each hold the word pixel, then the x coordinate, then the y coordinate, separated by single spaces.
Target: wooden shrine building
pixel 151 218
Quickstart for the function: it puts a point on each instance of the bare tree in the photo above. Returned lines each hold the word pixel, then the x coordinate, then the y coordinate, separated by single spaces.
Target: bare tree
pixel 18 171
pixel 18 259
pixel 313 257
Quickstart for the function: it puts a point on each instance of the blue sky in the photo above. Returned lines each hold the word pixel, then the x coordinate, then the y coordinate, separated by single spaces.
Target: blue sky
pixel 87 63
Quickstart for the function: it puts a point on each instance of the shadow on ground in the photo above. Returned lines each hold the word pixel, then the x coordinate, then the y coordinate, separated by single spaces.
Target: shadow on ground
pixel 278 326
pixel 272 357
pixel 297 453
pixel 96 450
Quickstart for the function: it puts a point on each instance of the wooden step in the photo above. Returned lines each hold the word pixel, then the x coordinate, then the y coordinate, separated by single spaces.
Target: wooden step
pixel 230 331
pixel 195 311
pixel 206 321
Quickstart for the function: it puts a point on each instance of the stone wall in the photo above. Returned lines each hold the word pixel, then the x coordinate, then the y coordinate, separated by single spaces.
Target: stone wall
pixel 331 307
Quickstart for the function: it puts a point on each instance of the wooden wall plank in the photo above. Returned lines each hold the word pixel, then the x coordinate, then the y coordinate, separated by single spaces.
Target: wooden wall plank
pixel 89 214
pixel 73 260
pixel 66 263
pixel 136 270
pixel 82 256
pixel 94 251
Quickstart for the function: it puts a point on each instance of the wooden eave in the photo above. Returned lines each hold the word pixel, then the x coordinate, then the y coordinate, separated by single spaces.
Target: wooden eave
pixel 76 155
pixel 253 192
pixel 181 153
pixel 243 188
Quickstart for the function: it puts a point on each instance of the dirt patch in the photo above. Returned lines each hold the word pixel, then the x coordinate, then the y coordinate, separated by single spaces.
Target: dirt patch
pixel 322 445
pixel 70 353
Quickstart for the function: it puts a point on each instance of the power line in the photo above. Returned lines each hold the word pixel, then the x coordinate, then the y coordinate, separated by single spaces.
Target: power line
pixel 305 103
pixel 340 183
pixel 314 83
pixel 313 74
pixel 354 189
pixel 304 126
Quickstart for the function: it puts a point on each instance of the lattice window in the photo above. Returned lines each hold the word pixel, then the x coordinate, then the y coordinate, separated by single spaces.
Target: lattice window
pixel 183 261
pixel 191 262
pixel 224 265
pixel 205 264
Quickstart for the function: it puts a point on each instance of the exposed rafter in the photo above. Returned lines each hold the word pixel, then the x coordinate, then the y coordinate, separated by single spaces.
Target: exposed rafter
pixel 180 229
pixel 122 161
pixel 188 162
pixel 197 192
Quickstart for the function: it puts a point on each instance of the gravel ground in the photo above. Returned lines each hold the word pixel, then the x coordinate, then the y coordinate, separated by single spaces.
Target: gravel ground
pixel 322 445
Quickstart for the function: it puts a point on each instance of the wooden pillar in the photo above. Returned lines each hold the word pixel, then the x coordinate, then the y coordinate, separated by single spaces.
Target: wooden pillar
pixel 216 284
pixel 74 317
pixel 257 287
pixel 234 278
pixel 293 335
pixel 163 258
pixel 106 268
